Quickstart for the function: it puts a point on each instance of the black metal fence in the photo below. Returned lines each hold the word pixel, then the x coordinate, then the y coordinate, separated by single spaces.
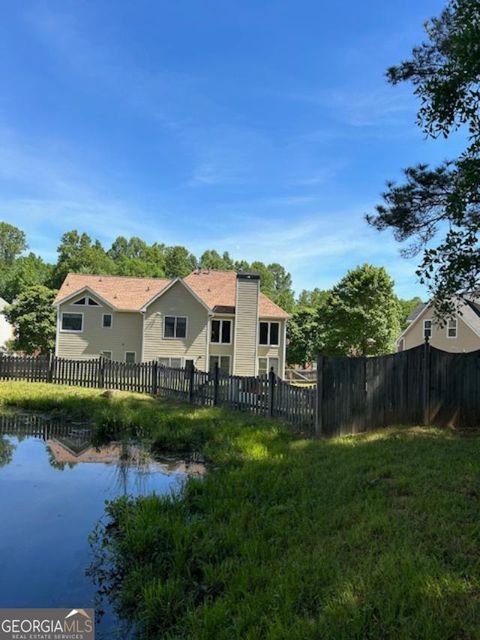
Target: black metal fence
pixel 265 395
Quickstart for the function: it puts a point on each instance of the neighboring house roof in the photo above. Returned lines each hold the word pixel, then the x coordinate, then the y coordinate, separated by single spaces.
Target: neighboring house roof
pixel 3 304
pixel 417 311
pixel 216 289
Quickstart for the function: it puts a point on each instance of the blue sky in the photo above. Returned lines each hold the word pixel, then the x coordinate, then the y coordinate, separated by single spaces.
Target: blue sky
pixel 264 128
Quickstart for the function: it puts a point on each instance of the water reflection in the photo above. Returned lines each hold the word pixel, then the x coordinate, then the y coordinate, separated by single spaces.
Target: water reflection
pixel 55 477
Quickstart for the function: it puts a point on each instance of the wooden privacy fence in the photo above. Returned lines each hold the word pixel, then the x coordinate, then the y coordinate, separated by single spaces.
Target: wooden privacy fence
pixel 419 386
pixel 423 385
pixel 265 395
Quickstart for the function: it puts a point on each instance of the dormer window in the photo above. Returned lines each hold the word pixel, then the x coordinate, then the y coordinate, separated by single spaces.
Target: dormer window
pixel 86 301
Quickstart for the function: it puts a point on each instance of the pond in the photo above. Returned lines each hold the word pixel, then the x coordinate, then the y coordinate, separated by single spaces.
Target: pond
pixel 53 486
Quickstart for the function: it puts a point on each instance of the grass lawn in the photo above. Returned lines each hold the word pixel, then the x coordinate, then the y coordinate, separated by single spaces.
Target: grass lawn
pixel 374 536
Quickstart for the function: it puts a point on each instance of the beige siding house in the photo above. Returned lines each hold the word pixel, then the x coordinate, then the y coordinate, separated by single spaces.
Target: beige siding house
pixel 459 334
pixel 209 317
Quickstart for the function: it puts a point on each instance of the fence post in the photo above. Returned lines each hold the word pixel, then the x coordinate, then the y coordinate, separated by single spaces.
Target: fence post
pixel 101 372
pixel 271 392
pixel 426 382
pixel 319 403
pixel 191 380
pixel 154 389
pixel 51 365
pixel 215 384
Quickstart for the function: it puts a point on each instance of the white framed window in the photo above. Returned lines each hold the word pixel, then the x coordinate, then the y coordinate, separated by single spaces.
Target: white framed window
pixel 107 320
pixel 221 332
pixel 427 328
pixel 175 362
pixel 106 354
pixel 269 333
pixel 452 328
pixel 86 300
pixel 175 327
pixel 265 365
pixel 71 322
pixel 130 356
pixel 223 364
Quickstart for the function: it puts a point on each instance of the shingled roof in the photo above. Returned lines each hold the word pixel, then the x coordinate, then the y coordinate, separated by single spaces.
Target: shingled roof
pixel 217 289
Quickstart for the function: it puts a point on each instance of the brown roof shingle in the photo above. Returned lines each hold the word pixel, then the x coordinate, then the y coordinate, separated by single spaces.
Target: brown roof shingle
pixel 216 289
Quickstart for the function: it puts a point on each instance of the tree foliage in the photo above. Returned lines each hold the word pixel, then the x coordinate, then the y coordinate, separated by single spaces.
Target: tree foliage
pixel 443 201
pixel 25 272
pixel 12 243
pixel 361 316
pixel 34 320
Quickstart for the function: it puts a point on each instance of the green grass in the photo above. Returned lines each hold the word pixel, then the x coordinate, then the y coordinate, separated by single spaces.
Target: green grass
pixel 374 536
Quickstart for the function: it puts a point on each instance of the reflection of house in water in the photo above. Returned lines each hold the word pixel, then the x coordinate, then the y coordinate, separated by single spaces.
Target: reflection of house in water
pixel 66 451
pixel 71 444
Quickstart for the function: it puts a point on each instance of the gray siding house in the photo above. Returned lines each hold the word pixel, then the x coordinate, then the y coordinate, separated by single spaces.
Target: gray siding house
pixel 209 317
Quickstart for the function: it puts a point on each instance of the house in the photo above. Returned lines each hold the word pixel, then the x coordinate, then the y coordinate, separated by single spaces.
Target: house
pixel 459 334
pixel 209 317
pixel 6 329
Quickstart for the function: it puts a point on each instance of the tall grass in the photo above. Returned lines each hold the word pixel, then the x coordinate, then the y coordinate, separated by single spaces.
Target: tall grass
pixel 375 536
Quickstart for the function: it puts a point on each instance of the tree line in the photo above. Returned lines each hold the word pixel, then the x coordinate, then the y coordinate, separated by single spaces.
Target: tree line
pixel 360 315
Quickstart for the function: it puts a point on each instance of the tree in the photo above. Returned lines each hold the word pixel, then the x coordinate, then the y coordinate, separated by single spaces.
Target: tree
pixel 361 314
pixel 34 320
pixel 24 273
pixel 211 259
pixel 12 243
pixel 276 283
pixel 77 253
pixel 134 257
pixel 443 201
pixel 179 262
pixel 304 336
pixel 405 308
pixel 312 299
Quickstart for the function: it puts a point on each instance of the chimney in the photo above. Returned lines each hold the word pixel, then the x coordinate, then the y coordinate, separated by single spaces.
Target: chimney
pixel 246 324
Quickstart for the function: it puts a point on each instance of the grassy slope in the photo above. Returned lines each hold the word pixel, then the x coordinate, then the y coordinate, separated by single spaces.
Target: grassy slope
pixel 374 536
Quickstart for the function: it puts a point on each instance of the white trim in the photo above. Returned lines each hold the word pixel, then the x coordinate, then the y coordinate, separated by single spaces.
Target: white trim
pixel 269 366
pixel 220 356
pixel 284 349
pixel 111 321
pixel 448 328
pixel 207 344
pixel 168 287
pixel 142 341
pixel 431 328
pixel 414 321
pixel 269 322
pixel 72 313
pixel 78 292
pixel 257 330
pixel 135 356
pixel 57 337
pixel 234 355
pixel 221 320
pixel 175 337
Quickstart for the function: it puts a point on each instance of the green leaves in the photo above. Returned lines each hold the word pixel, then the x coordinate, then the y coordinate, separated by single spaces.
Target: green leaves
pixel 34 320
pixel 443 201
